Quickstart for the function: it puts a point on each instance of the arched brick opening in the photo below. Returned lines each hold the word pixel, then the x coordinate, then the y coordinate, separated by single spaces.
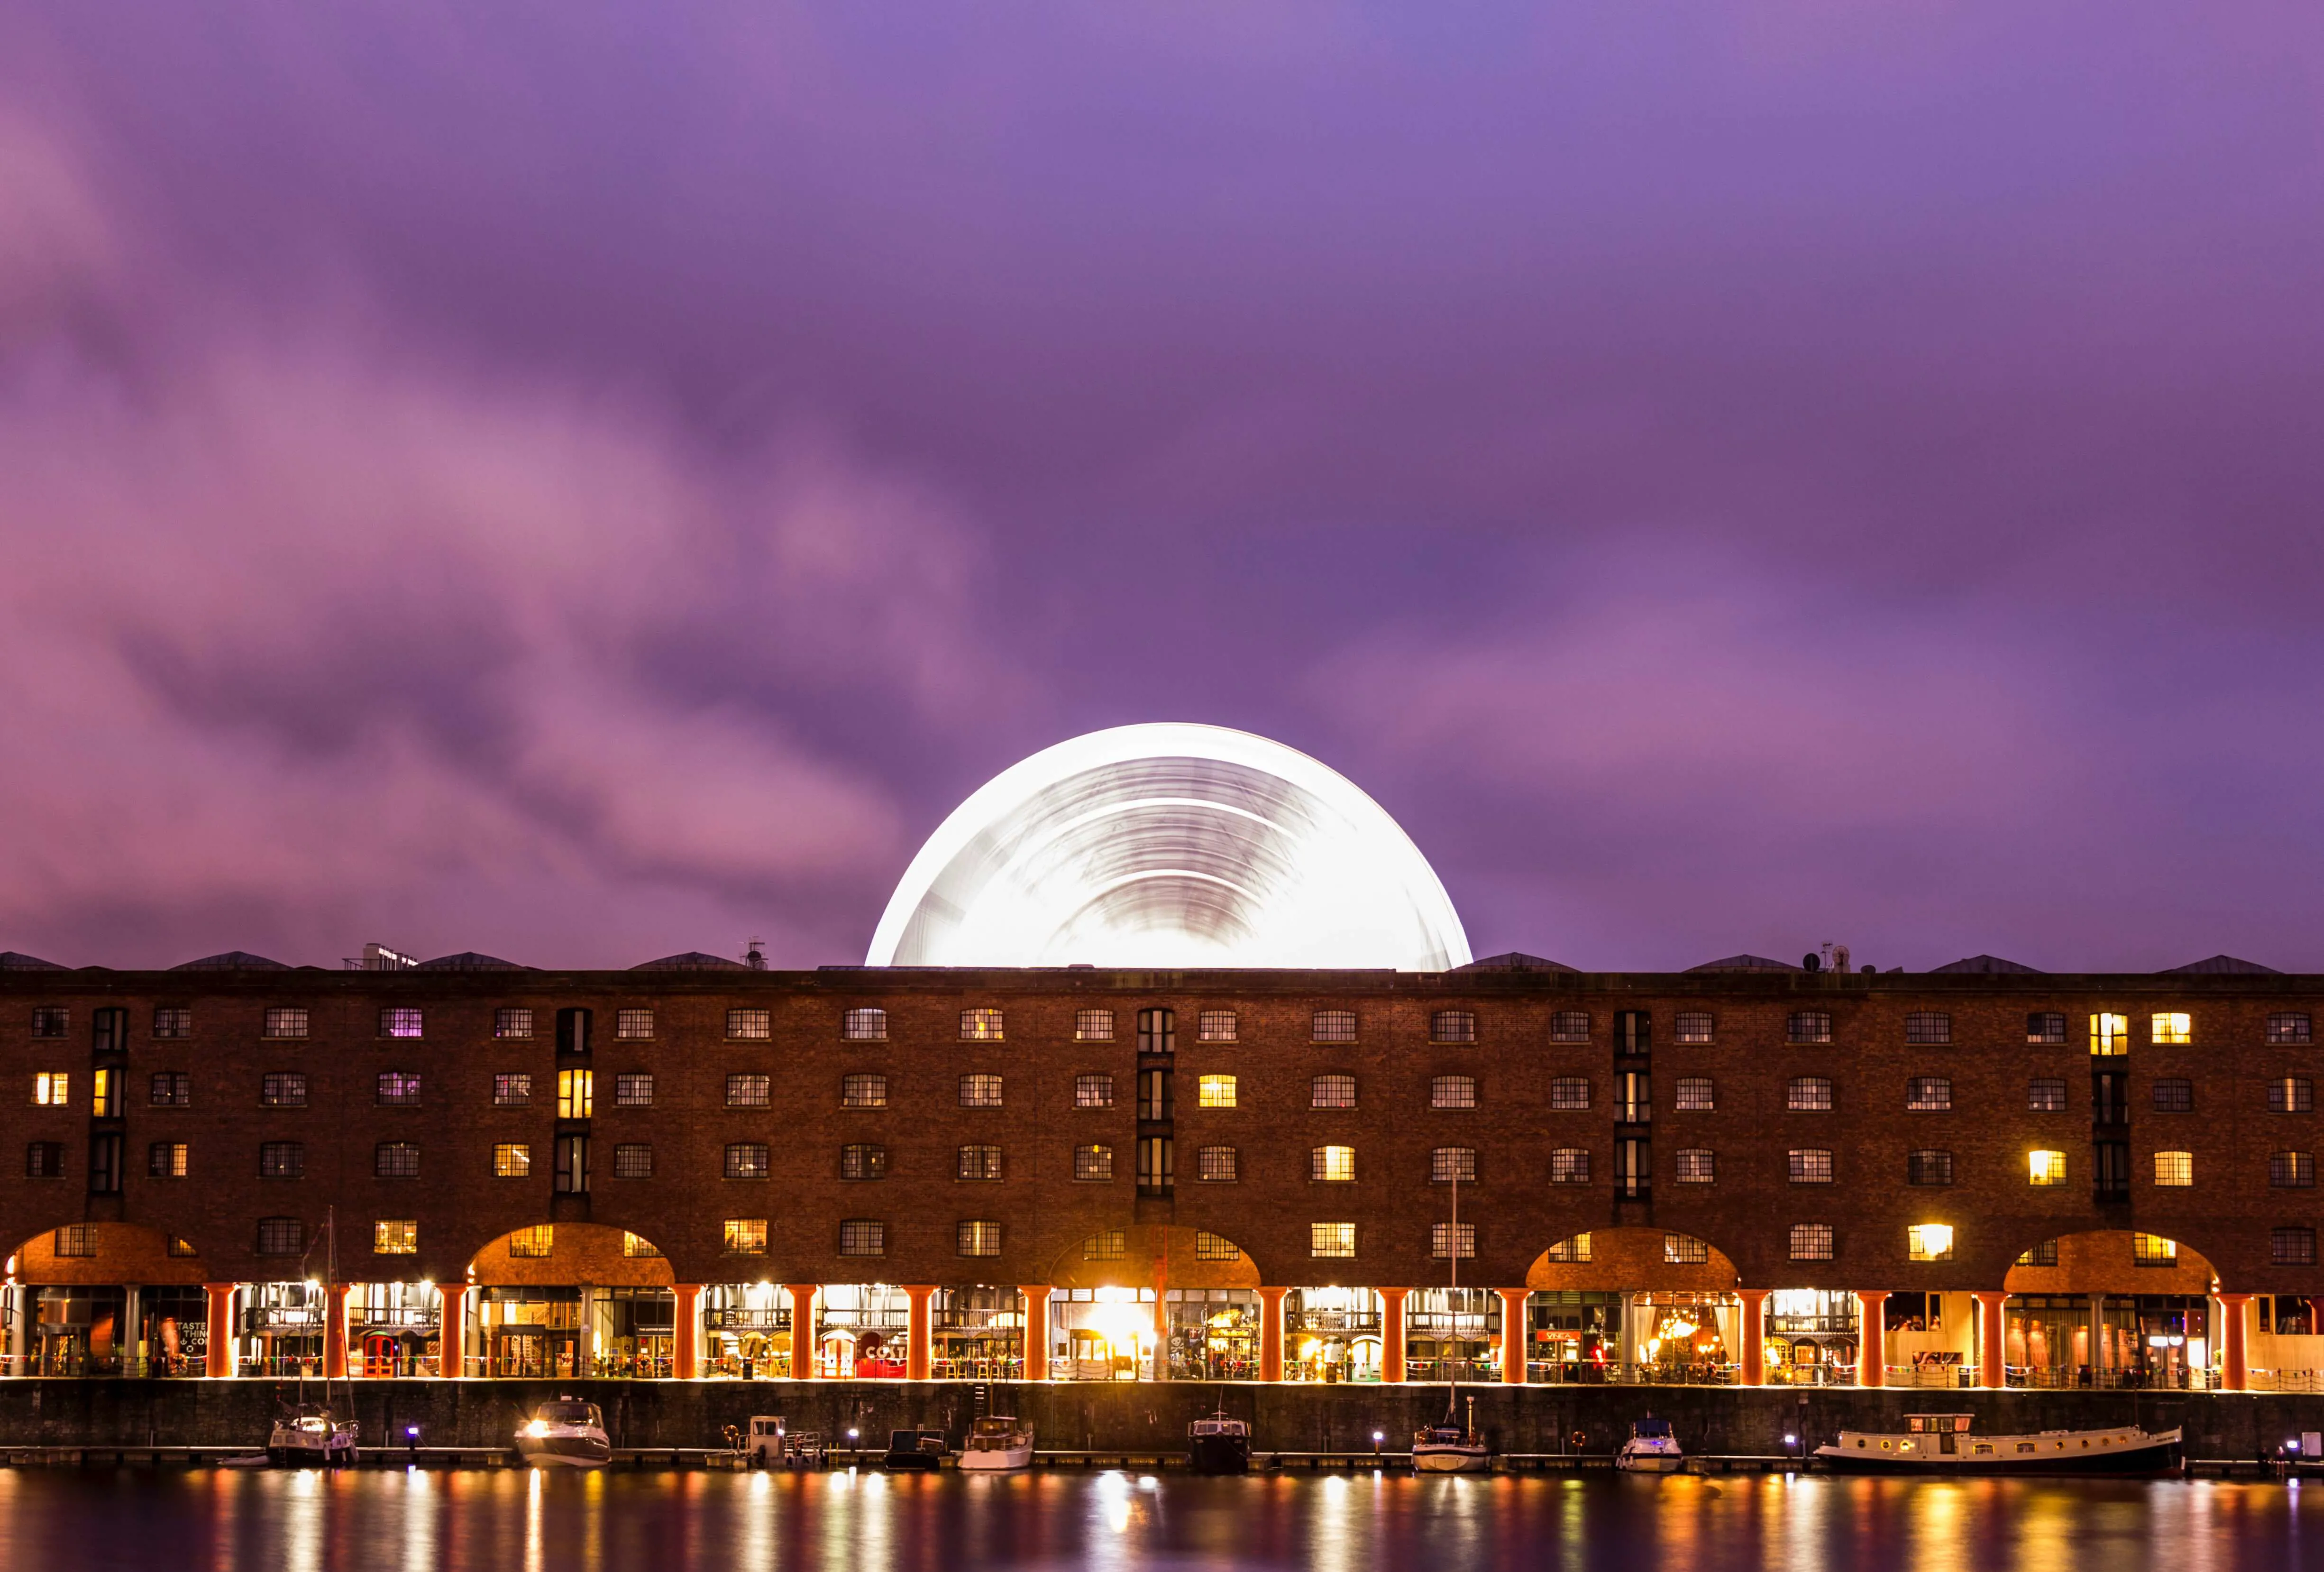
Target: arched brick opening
pixel 102 1298
pixel 569 1299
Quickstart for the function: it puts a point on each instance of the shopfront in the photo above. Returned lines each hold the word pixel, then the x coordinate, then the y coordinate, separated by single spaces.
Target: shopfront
pixel 531 1330
pixel 862 1331
pixel 1101 1334
pixel 1813 1336
pixel 393 1328
pixel 746 1331
pixel 979 1333
pixel 1332 1334
pixel 1214 1334
pixel 1577 1334
pixel 1453 1333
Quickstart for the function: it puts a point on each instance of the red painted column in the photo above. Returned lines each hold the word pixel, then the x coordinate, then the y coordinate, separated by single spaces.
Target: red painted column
pixel 2237 1375
pixel 686 1333
pixel 1754 1354
pixel 919 1330
pixel 1990 1369
pixel 1392 1333
pixel 221 1327
pixel 1872 1338
pixel 335 1331
pixel 1036 1330
pixel 1270 1333
pixel 1514 1333
pixel 805 1365
pixel 452 1336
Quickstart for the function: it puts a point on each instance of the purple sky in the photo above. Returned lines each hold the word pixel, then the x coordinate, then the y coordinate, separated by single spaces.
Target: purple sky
pixel 604 479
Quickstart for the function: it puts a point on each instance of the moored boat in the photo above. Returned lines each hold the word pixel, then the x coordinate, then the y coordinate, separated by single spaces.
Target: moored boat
pixel 1945 1444
pixel 1652 1448
pixel 914 1451
pixel 1218 1444
pixel 995 1443
pixel 310 1435
pixel 565 1433
pixel 1450 1448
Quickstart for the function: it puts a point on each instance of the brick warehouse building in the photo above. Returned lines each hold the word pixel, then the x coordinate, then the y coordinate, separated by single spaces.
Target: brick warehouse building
pixel 1744 1172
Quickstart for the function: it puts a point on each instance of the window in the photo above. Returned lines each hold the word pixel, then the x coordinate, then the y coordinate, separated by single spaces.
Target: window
pixel 1452 1165
pixel 74 1240
pixel 1693 1026
pixel 750 1091
pixel 1094 1164
pixel 1569 1092
pixel 513 1089
pixel 1928 1026
pixel 1928 1168
pixel 746 1160
pixel 2045 1167
pixel 1219 1091
pixel 978 1238
pixel 861 1236
pixel 1453 1026
pixel 398 1089
pixel 105 1165
pixel 282 1089
pixel 1157 1031
pixel 282 1023
pixel 571 1176
pixel 2289 1095
pixel 534 1243
pixel 979 1091
pixel 863 1091
pixel 1684 1250
pixel 2045 1026
pixel 2287 1027
pixel 2153 1250
pixel 1569 1165
pixel 2291 1246
pixel 2291 1171
pixel 1210 1246
pixel 51 1089
pixel 2045 1095
pixel 2042 1254
pixel 49 1022
pixel 281 1236
pixel 1808 1026
pixel 1811 1166
pixel 1093 1091
pixel 395 1238
pixel 1215 1164
pixel 2109 1036
pixel 2169 1026
pixel 863 1026
pixel 1332 1164
pixel 746 1235
pixel 977 1163
pixel 44 1160
pixel 1812 1242
pixel 281 1159
pixel 861 1161
pixel 167 1159
pixel 1929 1094
pixel 638 1247
pixel 173 1023
pixel 1573 1249
pixel 511 1160
pixel 1808 1094
pixel 395 1159
pixel 400 1023
pixel 513 1021
pixel 575 1094
pixel 1333 1026
pixel 2174 1169
pixel 1215 1026
pixel 1697 1166
pixel 635 1025
pixel 632 1160
pixel 1109 1245
pixel 1443 1092
pixel 1570 1026
pixel 1930 1242
pixel 1332 1240
pixel 2175 1096
pixel 1694 1094
pixel 980 1026
pixel 750 1025
pixel 1447 1240
pixel 1092 1026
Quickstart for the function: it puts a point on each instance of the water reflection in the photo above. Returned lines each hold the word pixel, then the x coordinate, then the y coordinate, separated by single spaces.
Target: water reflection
pixel 491 1521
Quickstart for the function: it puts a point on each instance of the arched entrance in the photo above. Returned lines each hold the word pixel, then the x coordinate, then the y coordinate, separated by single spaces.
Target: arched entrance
pixel 573 1298
pixel 105 1299
pixel 1142 1304
pixel 2110 1308
pixel 1633 1304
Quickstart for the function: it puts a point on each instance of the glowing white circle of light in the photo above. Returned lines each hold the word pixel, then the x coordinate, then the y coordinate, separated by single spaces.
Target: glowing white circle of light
pixel 1173 845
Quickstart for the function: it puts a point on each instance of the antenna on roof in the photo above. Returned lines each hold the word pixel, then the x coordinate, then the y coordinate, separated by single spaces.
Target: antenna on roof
pixel 753 957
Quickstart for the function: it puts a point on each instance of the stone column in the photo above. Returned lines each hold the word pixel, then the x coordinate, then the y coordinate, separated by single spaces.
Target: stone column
pixel 920 1331
pixel 1991 1371
pixel 1392 1333
pixel 2236 1372
pixel 1036 1330
pixel 1270 1333
pixel 1514 1333
pixel 805 1366
pixel 686 1333
pixel 452 1330
pixel 1872 1338
pixel 1754 1318
pixel 26 1299
pixel 221 1327
pixel 335 1331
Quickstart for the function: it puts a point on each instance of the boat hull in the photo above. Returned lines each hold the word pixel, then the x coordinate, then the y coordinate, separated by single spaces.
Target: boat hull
pixel 1000 1460
pixel 1650 1463
pixel 1219 1454
pixel 335 1455
pixel 2156 1455
pixel 1451 1459
pixel 582 1451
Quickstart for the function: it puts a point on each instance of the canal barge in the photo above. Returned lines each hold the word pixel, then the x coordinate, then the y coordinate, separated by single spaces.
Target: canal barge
pixel 1944 1444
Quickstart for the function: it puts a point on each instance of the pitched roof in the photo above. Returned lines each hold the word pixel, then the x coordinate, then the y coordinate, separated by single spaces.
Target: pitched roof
pixel 16 960
pixel 232 960
pixel 1745 963
pixel 692 960
pixel 1515 960
pixel 1987 963
pixel 469 960
pixel 2224 963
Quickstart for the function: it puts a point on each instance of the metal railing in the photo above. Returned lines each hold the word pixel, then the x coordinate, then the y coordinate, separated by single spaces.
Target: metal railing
pixel 2083 1378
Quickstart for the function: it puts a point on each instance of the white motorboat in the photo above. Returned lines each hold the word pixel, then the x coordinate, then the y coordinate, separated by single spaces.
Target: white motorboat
pixel 565 1433
pixel 311 1436
pixel 1652 1448
pixel 997 1442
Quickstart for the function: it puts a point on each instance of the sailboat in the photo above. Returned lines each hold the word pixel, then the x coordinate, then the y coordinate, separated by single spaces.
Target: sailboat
pixel 1454 1446
pixel 312 1435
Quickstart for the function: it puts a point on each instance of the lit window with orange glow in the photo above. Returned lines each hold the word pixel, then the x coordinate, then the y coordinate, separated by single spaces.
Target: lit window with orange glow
pixel 2045 1167
pixel 2171 1026
pixel 1332 1164
pixel 2175 1169
pixel 1930 1241
pixel 2109 1036
pixel 51 1089
pixel 1216 1091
